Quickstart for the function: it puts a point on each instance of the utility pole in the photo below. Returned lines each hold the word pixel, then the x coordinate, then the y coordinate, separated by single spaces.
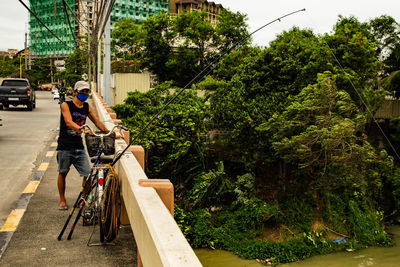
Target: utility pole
pixel 51 71
pixel 107 63
pixel 98 62
pixel 20 65
pixel 89 47
pixel 94 70
pixel 26 50
pixel 99 81
pixel 89 61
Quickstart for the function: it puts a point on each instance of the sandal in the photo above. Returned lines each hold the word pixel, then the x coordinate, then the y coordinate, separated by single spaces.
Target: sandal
pixel 63 207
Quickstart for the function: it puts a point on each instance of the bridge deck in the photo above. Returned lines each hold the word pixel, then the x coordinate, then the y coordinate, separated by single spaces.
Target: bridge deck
pixel 34 243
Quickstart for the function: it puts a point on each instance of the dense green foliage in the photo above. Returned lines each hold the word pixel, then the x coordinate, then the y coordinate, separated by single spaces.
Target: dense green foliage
pixel 75 66
pixel 177 48
pixel 39 72
pixel 175 141
pixel 127 39
pixel 281 142
pixel 8 66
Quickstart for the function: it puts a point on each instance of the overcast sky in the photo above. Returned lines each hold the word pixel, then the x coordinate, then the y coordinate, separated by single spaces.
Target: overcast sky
pixel 320 16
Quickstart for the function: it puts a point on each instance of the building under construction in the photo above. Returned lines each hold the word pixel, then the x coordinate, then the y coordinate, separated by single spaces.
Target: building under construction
pixel 52 13
pixel 70 20
pixel 138 10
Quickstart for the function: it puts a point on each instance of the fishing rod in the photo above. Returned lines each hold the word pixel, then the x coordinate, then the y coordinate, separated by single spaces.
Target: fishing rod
pixel 198 77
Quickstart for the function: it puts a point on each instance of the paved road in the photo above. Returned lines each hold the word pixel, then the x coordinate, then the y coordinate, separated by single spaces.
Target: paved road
pixel 24 138
pixel 34 242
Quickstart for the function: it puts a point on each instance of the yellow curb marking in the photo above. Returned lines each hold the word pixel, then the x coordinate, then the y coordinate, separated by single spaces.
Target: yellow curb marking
pixel 13 220
pixel 50 153
pixel 31 187
pixel 43 166
pixel 54 144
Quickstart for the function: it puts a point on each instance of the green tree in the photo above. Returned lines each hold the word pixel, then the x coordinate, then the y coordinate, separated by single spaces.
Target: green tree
pixel 40 70
pixel 385 33
pixel 158 45
pixel 178 48
pixel 75 66
pixel 231 30
pixel 353 45
pixel 175 142
pixel 8 66
pixel 127 39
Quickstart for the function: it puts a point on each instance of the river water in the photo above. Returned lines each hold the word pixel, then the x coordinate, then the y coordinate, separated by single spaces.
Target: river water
pixel 374 256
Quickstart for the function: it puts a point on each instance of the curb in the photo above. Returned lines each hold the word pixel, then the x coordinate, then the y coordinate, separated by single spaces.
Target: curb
pixel 16 214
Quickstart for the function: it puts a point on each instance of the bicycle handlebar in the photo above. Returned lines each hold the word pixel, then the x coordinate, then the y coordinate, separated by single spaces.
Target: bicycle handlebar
pixel 103 135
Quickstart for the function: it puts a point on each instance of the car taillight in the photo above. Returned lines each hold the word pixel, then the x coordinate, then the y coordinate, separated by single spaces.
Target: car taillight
pixel 28 91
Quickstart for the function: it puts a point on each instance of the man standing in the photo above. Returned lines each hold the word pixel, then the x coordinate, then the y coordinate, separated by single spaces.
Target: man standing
pixel 70 150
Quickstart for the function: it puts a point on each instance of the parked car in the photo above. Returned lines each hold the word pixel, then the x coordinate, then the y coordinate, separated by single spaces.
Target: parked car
pixel 56 95
pixel 17 92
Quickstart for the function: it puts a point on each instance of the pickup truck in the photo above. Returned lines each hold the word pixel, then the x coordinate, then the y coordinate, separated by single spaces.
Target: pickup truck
pixel 17 92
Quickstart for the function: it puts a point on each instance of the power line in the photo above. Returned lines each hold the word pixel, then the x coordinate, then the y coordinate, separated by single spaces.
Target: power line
pixel 44 25
pixel 107 17
pixel 101 22
pixel 68 20
pixel 77 18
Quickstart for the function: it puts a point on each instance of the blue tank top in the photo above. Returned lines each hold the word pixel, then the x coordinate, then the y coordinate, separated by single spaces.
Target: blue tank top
pixel 70 139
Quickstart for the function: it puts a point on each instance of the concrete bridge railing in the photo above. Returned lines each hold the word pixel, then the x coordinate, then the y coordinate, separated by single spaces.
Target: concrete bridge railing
pixel 159 239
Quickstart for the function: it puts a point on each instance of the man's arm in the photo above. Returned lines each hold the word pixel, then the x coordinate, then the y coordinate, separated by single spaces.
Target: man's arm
pixel 68 118
pixel 96 120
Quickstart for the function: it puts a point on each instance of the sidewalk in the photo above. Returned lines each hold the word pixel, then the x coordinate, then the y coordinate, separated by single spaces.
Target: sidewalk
pixel 35 243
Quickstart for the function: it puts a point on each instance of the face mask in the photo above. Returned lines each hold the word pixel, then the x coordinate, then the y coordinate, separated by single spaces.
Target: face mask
pixel 82 97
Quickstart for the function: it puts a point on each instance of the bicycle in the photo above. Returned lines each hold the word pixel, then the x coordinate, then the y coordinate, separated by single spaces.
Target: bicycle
pixel 99 198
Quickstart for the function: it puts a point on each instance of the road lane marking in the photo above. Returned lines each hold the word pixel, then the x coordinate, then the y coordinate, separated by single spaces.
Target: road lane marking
pixel 43 166
pixel 50 153
pixel 54 144
pixel 31 187
pixel 13 220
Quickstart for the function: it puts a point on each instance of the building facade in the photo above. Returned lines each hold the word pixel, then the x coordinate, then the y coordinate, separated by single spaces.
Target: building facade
pixel 182 6
pixel 82 18
pixel 87 17
pixel 9 53
pixel 138 10
pixel 41 42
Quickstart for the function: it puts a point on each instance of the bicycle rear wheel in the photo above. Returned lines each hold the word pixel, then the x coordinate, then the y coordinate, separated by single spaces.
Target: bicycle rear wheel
pixel 111 209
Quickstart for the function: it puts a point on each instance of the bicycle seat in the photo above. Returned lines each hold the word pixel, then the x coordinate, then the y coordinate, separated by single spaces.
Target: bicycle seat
pixel 103 159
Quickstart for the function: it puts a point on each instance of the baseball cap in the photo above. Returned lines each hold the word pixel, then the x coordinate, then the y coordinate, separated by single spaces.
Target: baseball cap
pixel 81 85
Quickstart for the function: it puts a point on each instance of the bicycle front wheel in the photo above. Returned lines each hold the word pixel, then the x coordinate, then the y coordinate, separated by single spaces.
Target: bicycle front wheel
pixel 110 208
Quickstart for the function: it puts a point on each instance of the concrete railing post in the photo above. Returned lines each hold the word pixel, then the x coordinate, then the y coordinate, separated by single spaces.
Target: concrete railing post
pixel 138 152
pixel 165 190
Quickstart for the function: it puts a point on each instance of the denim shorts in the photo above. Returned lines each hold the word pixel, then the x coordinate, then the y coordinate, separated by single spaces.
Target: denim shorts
pixel 77 157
